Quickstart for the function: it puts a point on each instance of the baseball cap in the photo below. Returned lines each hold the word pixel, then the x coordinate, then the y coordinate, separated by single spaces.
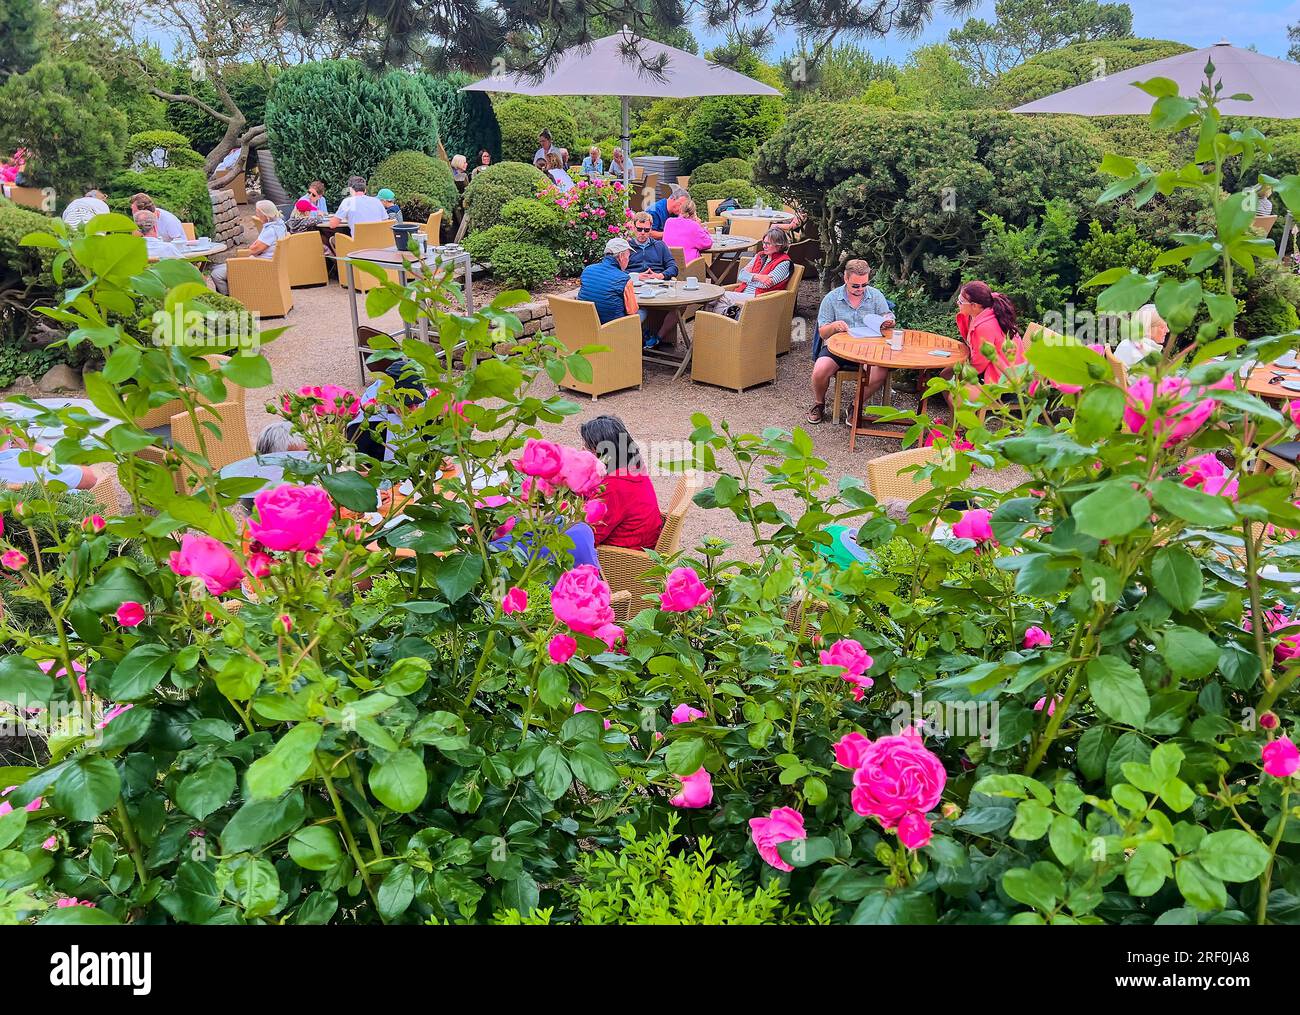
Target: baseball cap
pixel 617 245
pixel 386 195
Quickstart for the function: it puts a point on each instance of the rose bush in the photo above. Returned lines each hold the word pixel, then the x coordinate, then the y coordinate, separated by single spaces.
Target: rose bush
pixel 391 697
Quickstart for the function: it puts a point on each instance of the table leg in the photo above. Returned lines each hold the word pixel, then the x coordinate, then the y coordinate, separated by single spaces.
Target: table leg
pixel 685 339
pixel 857 409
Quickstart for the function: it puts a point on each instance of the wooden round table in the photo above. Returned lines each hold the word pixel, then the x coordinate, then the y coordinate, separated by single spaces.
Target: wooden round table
pixel 726 251
pixel 775 217
pixel 676 296
pixel 197 254
pixel 919 352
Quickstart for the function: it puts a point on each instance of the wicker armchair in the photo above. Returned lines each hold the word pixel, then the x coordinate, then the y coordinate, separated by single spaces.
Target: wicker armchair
pixel 365 236
pixel 886 477
pixel 261 283
pixel 432 229
pixel 679 255
pixel 738 354
pixel 190 234
pixel 624 570
pixel 229 445
pixel 786 327
pixel 578 325
pixel 305 259
pixel 754 228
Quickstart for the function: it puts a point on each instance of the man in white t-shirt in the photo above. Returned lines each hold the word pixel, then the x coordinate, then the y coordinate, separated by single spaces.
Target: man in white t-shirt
pixel 544 152
pixel 146 224
pixel 83 209
pixel 358 207
pixel 169 226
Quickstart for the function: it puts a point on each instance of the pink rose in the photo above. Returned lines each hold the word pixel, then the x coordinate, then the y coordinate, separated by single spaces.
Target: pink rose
pixel 130 614
pixel 291 517
pixel 1288 646
pixel 51 843
pixel 209 559
pixel 516 601
pixel 94 523
pixel 1280 756
pixel 561 648
pixel 975 525
pixel 582 472
pixel 1051 708
pixel 849 750
pixel 48 664
pixel 337 401
pixel 285 623
pixel 683 591
pixel 1207 473
pixel 697 790
pixel 259 565
pixel 684 713
pixel 13 560
pixel 5 808
pixel 784 824
pixel 72 901
pixel 530 483
pixel 1036 637
pixel 541 459
pixel 594 511
pixel 580 600
pixel 1181 420
pixel 913 830
pixel 854 662
pixel 312 559
pixel 897 776
pixel 1293 410
pixel 580 707
pixel 112 714
pixel 611 634
pixel 1268 721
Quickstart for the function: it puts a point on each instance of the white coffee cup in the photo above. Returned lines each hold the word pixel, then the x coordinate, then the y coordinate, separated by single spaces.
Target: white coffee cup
pixel 692 282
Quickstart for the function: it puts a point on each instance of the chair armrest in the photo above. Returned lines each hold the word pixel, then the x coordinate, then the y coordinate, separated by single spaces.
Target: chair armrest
pixel 613 330
pixel 708 323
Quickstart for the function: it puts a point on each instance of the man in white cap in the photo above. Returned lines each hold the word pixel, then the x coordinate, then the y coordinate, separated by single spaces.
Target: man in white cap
pixel 608 284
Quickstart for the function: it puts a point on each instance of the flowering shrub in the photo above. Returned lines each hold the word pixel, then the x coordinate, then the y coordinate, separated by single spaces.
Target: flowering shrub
pixel 1074 703
pixel 589 214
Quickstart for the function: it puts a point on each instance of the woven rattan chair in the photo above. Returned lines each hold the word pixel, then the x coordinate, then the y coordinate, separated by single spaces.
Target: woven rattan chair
pixel 624 570
pixel 157 456
pixel 738 354
pixel 108 494
pixel 432 229
pixel 304 259
pixel 190 234
pixel 786 327
pixel 754 228
pixel 261 283
pixel 365 236
pixel 229 445
pixel 679 255
pixel 577 324
pixel 887 479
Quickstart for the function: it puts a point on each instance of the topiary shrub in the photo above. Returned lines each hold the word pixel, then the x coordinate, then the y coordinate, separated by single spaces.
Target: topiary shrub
pixel 523 117
pixel 178 154
pixel 183 192
pixel 418 207
pixel 1272 299
pixel 532 218
pixel 335 119
pixel 467 122
pixel 742 190
pixel 482 243
pixel 523 264
pixel 409 173
pixel 489 191
pixel 24 279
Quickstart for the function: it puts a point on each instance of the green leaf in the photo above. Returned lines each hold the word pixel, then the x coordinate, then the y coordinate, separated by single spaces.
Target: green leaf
pixel 1177 576
pixel 686 756
pixel 895 908
pixel 1039 886
pixel 351 490
pixel 257 883
pixel 496 378
pixel 1178 302
pixel 113 587
pixel 286 762
pixel 1199 887
pixel 457 574
pixel 1192 505
pixel 247 370
pixel 1032 820
pixel 206 789
pixel 400 781
pixel 552 773
pixel 260 822
pixel 22 683
pixel 1165 761
pixel 396 892
pixel 1177 795
pixel 86 788
pixel 1130 293
pixel 1067 838
pixel 315 848
pixel 1118 690
pixel 1099 413
pixel 1130 747
pixel 12 825
pixel 1147 869
pixel 1067 363
pixel 139 672
pixel 1233 855
pixel 1114 509
pixel 1094 748
pixel 79 916
pixel 591 767
pixel 1190 654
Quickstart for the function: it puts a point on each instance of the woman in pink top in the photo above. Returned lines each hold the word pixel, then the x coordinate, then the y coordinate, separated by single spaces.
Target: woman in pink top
pixel 685 231
pixel 988 318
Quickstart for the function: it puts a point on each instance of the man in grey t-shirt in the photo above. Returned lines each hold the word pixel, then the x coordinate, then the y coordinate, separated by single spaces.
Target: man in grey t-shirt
pixel 845 307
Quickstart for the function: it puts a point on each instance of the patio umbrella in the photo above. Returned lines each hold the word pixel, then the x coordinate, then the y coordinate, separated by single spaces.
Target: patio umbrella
pixel 607 67
pixel 1274 87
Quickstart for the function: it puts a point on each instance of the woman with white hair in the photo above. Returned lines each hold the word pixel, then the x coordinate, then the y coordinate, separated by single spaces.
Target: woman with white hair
pixel 593 164
pixel 617 163
pixel 1148 332
pixel 460 169
pixel 270 230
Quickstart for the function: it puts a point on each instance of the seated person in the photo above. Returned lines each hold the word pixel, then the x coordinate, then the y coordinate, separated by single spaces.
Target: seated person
pixel 169 226
pixel 988 318
pixel 544 150
pixel 607 283
pixel 665 208
pixel 459 170
pixel 632 517
pixel 593 164
pixel 652 259
pixel 1149 332
pixel 484 160
pixel 278 437
pixel 686 231
pixel 316 195
pixel 358 207
pixel 389 200
pixel 13 473
pixel 556 171
pixel 371 429
pixel 841 309
pixel 768 272
pixel 83 209
pixel 146 225
pixel 271 229
pixel 304 217
pixel 618 164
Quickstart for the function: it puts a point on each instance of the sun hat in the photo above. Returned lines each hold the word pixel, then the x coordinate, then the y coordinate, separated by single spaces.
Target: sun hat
pixel 386 195
pixel 304 205
pixel 617 245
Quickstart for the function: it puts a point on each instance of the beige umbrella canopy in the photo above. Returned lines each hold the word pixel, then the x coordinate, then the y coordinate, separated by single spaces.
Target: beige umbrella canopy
pixel 621 64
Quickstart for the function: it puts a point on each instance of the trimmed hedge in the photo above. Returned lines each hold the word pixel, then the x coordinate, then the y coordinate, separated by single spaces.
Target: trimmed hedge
pixel 23 266
pixel 410 173
pixel 726 169
pixel 489 191
pixel 532 217
pixel 482 243
pixel 1072 65
pixel 742 190
pixel 523 265
pixel 335 119
pixel 177 146
pixel 522 118
pixel 467 122
pixel 183 192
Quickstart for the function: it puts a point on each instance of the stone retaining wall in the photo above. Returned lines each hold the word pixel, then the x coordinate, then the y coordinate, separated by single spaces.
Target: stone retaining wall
pixel 228 226
pixel 536 316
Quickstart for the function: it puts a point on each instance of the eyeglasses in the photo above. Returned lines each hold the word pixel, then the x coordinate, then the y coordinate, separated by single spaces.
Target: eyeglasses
pixel 642 229
pixel 855 285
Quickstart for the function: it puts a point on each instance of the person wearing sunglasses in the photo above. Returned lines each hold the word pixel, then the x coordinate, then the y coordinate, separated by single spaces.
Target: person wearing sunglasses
pixel 845 307
pixel 651 258
pixel 768 272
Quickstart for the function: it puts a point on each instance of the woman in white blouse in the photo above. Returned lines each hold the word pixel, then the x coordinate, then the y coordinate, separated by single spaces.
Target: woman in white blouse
pixel 1150 332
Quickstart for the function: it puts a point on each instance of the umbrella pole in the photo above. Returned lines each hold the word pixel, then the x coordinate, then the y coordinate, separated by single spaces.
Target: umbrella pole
pixel 1286 236
pixel 627 146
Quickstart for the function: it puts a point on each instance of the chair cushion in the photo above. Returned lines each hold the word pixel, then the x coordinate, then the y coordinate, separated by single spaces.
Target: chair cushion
pixel 1288 451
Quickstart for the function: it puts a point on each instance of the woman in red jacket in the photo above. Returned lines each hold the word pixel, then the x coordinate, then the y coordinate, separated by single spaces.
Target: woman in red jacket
pixel 632 517
pixel 988 318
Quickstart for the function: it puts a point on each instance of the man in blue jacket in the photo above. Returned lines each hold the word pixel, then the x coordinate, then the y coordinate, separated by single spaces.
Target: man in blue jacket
pixel 607 283
pixel 650 258
pixel 664 209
